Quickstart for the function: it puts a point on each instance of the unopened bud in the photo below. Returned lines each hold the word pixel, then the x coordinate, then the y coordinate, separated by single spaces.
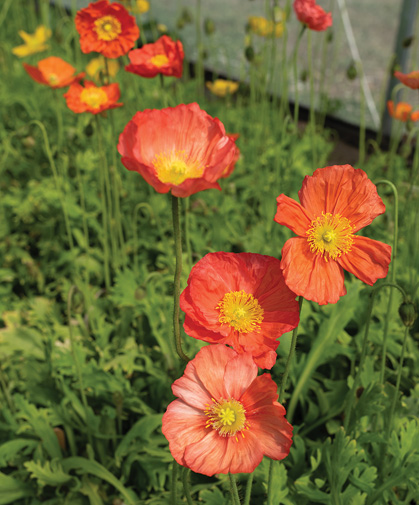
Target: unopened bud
pixel 408 313
pixel 209 26
pixel 249 52
pixel 351 71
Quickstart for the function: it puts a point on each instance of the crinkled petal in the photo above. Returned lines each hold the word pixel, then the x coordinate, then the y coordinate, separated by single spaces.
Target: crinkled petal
pixel 292 215
pixel 239 374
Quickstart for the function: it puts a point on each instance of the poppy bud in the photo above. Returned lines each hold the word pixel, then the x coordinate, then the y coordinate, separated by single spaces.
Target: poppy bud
pixel 407 42
pixel 351 71
pixel 186 15
pixel 209 26
pixel 249 52
pixel 408 313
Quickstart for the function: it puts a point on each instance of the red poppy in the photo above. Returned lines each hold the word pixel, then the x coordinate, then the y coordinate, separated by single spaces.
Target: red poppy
pixel 53 72
pixel 165 56
pixel 106 28
pixel 336 202
pixel 312 15
pixel 402 111
pixel 179 149
pixel 225 418
pixel 92 98
pixel 411 79
pixel 240 300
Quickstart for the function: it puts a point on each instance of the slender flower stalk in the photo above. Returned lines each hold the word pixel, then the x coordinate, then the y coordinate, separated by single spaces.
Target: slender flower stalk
pixel 248 489
pixel 295 70
pixel 233 489
pixel 173 494
pixel 187 485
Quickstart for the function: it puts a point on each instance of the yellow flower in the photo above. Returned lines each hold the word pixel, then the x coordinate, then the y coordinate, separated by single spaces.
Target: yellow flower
pixel 97 66
pixel 139 7
pixel 33 43
pixel 222 87
pixel 264 27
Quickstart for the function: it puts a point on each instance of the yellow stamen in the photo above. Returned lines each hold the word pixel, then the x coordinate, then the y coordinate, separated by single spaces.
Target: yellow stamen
pixel 176 167
pixel 241 311
pixel 52 79
pixel 107 28
pixel 159 60
pixel 94 97
pixel 228 417
pixel 330 235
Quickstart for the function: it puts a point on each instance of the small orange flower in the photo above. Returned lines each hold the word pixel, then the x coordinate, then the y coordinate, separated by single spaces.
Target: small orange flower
pixel 180 149
pixel 226 417
pixel 53 72
pixel 92 98
pixel 336 202
pixel 402 112
pixel 165 56
pixel 312 15
pixel 411 79
pixel 106 28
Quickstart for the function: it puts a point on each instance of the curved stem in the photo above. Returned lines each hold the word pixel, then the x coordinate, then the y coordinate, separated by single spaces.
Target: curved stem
pixel 178 271
pixel 233 489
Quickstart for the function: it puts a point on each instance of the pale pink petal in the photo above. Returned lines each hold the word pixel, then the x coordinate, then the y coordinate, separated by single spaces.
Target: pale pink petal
pixel 239 374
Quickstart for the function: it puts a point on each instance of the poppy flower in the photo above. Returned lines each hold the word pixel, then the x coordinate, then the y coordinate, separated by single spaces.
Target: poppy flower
pixel 312 15
pixel 92 98
pixel 53 72
pixel 226 418
pixel 265 27
pixel 165 56
pixel 180 149
pixel 33 43
pixel 336 202
pixel 240 300
pixel 222 87
pixel 96 68
pixel 402 111
pixel 106 28
pixel 139 7
pixel 411 79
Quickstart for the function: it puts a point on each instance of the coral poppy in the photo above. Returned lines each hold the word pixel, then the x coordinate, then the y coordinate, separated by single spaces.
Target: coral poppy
pixel 53 72
pixel 312 15
pixel 180 149
pixel 240 300
pixel 106 28
pixel 264 27
pixel 226 418
pixel 92 98
pixel 336 202
pixel 222 87
pixel 165 56
pixel 402 111
pixel 411 79
pixel 33 43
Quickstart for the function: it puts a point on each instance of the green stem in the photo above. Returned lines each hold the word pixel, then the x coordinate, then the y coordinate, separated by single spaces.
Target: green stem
pixel 77 364
pixel 187 485
pixel 270 484
pixel 59 114
pixel 295 70
pixel 6 393
pixel 362 119
pixel 312 111
pixel 178 271
pixel 173 494
pixel 392 273
pixel 248 489
pixel 233 489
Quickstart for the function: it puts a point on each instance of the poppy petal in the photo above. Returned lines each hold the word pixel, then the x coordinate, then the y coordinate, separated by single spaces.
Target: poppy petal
pixel 292 215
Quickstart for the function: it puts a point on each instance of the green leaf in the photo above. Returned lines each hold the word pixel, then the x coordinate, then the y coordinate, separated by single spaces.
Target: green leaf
pixel 12 489
pixel 48 474
pixel 9 450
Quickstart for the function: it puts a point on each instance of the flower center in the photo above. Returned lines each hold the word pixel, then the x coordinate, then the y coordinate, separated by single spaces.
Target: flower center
pixel 94 97
pixel 175 167
pixel 159 60
pixel 53 79
pixel 330 235
pixel 107 28
pixel 241 311
pixel 228 417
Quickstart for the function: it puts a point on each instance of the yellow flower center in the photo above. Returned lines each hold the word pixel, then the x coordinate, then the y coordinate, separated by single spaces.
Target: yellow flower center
pixel 330 235
pixel 107 28
pixel 228 417
pixel 94 97
pixel 53 79
pixel 175 167
pixel 241 311
pixel 159 60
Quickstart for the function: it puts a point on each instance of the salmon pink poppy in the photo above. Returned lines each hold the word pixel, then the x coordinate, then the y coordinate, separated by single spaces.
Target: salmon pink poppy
pixel 312 15
pixel 53 72
pixel 180 149
pixel 92 98
pixel 411 79
pixel 165 56
pixel 106 28
pixel 240 300
pixel 336 202
pixel 226 418
pixel 402 111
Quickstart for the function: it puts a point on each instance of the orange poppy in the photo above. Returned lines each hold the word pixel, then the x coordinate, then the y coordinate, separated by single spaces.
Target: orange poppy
pixel 411 79
pixel 240 300
pixel 53 72
pixel 312 15
pixel 106 28
pixel 225 418
pixel 336 202
pixel 180 149
pixel 165 56
pixel 92 98
pixel 402 111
